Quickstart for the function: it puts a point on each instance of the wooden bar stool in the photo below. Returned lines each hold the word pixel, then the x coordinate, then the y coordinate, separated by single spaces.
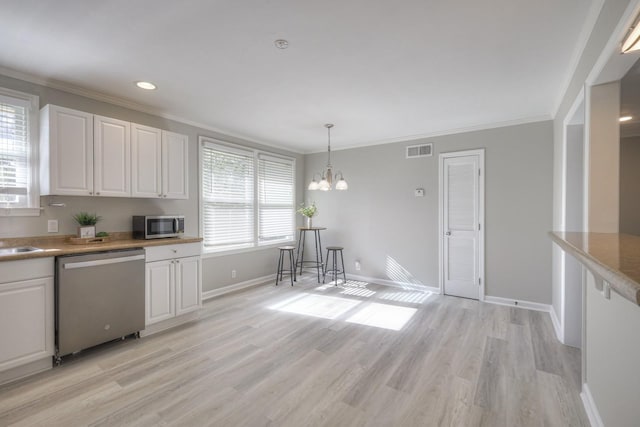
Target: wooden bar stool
pixel 292 264
pixel 333 250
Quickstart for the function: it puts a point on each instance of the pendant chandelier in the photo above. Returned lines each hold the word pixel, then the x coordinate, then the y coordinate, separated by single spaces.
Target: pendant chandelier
pixel 327 175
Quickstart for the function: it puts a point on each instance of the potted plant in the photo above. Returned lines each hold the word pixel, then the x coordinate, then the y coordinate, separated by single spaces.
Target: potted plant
pixel 87 224
pixel 308 211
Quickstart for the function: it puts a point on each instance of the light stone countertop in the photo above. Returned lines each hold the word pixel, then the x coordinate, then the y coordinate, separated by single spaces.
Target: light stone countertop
pixel 612 256
pixel 59 245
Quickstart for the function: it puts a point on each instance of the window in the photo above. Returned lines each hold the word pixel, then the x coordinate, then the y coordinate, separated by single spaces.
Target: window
pixel 247 197
pixel 18 152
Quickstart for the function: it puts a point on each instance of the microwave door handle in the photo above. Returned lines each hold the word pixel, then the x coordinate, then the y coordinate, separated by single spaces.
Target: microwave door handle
pixel 176 224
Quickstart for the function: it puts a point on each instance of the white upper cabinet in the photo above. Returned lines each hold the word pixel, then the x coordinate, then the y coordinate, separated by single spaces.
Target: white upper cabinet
pixel 82 154
pixel 175 165
pixel 66 152
pixel 112 157
pixel 160 161
pixel 146 161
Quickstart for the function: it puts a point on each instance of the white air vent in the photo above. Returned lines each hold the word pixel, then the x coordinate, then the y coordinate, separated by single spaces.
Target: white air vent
pixel 422 150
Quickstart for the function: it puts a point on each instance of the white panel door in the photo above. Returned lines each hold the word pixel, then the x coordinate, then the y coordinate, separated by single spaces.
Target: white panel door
pixel 461 223
pixel 71 152
pixel 26 322
pixel 146 161
pixel 175 165
pixel 160 284
pixel 187 284
pixel 112 157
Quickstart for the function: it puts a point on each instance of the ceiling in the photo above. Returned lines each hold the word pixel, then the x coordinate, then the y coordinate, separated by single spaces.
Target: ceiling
pixel 379 70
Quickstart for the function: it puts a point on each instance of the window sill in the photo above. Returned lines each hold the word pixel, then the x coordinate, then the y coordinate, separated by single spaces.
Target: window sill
pixel 215 254
pixel 4 212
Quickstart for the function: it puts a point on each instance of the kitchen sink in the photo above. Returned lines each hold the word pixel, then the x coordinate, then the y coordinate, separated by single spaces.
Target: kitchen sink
pixel 18 250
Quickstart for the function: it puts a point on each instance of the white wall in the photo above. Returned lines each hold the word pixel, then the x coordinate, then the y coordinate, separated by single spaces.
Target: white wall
pixel 609 16
pixel 630 185
pixel 613 352
pixel 604 158
pixel 395 235
pixel 117 212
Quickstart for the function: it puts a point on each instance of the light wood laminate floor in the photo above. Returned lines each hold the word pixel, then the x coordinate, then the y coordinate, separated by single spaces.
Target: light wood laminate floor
pixel 310 355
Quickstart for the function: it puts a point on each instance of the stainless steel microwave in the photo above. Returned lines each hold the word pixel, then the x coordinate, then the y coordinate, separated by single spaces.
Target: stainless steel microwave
pixel 157 226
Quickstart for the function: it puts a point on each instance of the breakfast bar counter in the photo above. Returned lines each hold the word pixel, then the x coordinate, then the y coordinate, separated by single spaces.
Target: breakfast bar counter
pixel 613 257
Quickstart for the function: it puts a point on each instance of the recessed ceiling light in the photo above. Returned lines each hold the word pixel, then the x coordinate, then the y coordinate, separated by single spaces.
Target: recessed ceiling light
pixel 281 43
pixel 625 118
pixel 146 85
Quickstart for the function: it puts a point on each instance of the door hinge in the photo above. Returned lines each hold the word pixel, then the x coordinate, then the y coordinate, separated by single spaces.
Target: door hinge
pixel 479 281
pixel 479 172
pixel 479 226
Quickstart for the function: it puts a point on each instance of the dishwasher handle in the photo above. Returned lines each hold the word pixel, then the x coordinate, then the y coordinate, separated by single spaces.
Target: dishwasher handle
pixel 83 264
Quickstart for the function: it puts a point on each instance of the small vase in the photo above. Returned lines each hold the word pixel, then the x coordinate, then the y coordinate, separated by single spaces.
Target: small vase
pixel 309 222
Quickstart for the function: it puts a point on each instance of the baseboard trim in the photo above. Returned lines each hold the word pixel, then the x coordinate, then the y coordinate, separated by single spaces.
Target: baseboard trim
pixel 403 285
pixel 556 325
pixel 590 407
pixel 23 371
pixel 517 303
pixel 237 287
pixel 170 323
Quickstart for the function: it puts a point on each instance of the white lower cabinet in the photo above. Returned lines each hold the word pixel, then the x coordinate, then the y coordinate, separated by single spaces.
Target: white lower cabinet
pixel 161 285
pixel 26 317
pixel 173 285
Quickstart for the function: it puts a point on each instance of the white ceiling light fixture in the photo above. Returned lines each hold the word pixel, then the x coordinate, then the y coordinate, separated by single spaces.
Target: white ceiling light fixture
pixel 632 41
pixel 281 43
pixel 146 85
pixel 327 175
pixel 625 118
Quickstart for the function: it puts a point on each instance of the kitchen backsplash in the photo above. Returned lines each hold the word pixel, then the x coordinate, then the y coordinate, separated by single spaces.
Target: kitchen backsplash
pixel 116 214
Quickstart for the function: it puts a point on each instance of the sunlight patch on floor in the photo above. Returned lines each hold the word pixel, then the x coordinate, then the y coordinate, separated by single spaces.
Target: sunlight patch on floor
pixel 406 296
pixel 323 306
pixel 383 316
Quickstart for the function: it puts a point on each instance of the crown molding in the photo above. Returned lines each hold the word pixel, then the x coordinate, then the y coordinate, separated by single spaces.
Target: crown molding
pixel 446 132
pixel 583 39
pixel 132 105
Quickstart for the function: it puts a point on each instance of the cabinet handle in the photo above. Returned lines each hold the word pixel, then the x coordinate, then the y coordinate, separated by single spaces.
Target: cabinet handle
pixel 98 193
pixel 159 195
pixel 175 251
pixel 164 195
pixel 177 261
pixel 90 193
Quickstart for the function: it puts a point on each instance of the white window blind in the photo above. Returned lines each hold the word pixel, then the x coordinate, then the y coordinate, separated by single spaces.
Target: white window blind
pixel 248 197
pixel 14 152
pixel 275 197
pixel 228 198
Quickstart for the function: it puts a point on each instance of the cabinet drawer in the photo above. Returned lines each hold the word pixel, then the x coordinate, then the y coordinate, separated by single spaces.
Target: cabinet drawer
pixel 157 253
pixel 25 269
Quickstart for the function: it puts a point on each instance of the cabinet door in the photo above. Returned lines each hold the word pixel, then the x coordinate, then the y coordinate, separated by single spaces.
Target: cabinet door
pixel 26 322
pixel 160 291
pixel 112 157
pixel 66 152
pixel 146 161
pixel 188 284
pixel 175 165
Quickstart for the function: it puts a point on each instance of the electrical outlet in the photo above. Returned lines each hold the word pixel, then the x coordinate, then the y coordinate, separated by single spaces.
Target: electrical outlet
pixel 52 226
pixel 357 265
pixel 233 274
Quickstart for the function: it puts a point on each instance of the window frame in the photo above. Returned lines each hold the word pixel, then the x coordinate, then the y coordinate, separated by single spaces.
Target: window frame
pixel 203 141
pixel 33 184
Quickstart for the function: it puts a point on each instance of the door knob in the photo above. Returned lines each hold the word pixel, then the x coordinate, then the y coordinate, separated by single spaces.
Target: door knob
pixel 448 233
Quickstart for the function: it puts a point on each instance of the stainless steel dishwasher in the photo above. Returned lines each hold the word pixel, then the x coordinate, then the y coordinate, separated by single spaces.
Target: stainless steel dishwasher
pixel 99 297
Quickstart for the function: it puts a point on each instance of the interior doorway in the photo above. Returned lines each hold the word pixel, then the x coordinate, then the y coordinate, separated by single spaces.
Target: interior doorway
pixel 574 220
pixel 462 224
